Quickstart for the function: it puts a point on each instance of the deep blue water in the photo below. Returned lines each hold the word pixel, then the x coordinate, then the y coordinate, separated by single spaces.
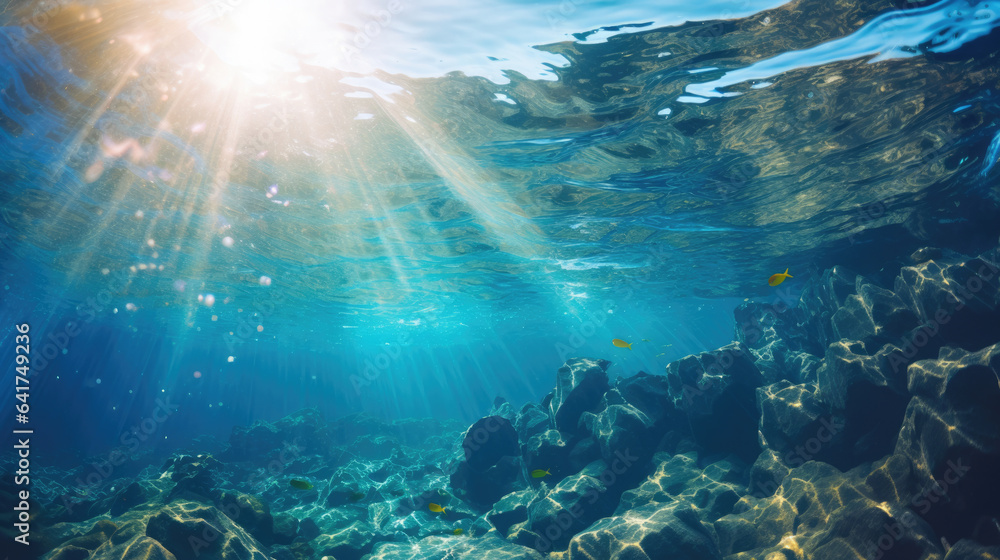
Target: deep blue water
pixel 410 208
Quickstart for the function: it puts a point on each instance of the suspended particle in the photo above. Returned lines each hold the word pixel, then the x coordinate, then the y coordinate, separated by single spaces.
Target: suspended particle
pixel 227 241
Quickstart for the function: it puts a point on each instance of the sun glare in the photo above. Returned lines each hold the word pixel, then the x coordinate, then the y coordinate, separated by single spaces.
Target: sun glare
pixel 259 37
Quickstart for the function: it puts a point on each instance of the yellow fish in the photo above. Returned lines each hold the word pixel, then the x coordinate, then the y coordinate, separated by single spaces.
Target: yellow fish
pixel 621 343
pixel 645 340
pixel 437 509
pixel 457 532
pixel 660 354
pixel 776 279
pixel 300 484
pixel 539 473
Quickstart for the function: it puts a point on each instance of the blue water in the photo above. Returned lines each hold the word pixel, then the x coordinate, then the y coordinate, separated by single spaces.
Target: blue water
pixel 411 208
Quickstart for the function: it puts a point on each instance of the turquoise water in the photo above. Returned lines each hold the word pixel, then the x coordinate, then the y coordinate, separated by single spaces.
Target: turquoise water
pixel 355 179
pixel 411 207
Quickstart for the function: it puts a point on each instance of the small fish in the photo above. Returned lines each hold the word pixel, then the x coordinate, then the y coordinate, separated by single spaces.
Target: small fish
pixel 539 473
pixel 660 354
pixel 645 340
pixel 621 343
pixel 356 496
pixel 457 532
pixel 665 345
pixel 437 509
pixel 300 484
pixel 776 279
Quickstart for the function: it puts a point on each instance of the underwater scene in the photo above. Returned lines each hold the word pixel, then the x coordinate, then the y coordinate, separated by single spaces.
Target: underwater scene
pixel 500 280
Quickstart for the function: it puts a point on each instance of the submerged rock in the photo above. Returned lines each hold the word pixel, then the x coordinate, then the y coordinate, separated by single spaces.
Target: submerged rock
pixel 574 503
pixel 191 531
pixel 645 533
pixel 532 419
pixel 511 510
pixel 492 466
pixel 862 422
pixel 951 437
pixel 455 546
pixel 580 385
pixel 712 491
pixel 547 451
pixel 716 392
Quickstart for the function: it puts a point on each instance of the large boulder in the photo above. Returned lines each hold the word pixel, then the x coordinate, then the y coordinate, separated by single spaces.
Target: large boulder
pixel 958 297
pixel 192 531
pixel 548 451
pixel 492 465
pixel 951 438
pixel 867 396
pixel 873 315
pixel 489 547
pixel 620 428
pixel 634 416
pixel 532 419
pixel 580 385
pixel 510 510
pixel 716 392
pixel 712 491
pixel 489 440
pixel 139 547
pixel 249 512
pixel 648 532
pixel 576 502
pixel 821 512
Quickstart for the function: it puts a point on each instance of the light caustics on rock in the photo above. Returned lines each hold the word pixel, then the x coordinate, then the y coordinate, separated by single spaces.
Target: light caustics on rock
pixel 940 28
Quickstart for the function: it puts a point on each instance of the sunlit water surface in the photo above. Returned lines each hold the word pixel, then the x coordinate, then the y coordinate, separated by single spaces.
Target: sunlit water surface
pixel 412 207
